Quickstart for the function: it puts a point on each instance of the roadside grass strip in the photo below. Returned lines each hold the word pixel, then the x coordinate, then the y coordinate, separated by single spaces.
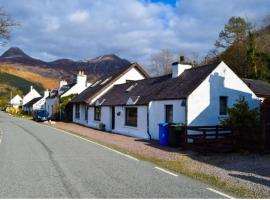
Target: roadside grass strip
pixel 220 193
pixel 166 171
pixel 113 150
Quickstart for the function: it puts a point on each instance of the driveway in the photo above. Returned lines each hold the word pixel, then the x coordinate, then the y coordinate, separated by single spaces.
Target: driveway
pixel 38 161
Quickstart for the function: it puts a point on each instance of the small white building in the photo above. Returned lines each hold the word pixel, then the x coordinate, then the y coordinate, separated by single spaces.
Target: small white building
pixel 196 96
pixel 88 116
pixel 16 101
pixel 32 94
pixel 40 104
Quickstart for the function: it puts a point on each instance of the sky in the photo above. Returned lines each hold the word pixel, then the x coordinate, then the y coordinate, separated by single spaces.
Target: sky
pixel 131 29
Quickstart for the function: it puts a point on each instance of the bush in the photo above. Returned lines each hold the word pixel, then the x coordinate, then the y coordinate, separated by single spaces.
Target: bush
pixel 101 126
pixel 13 111
pixel 246 125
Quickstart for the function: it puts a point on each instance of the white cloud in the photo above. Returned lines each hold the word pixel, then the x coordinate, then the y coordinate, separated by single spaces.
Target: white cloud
pixel 78 16
pixel 133 29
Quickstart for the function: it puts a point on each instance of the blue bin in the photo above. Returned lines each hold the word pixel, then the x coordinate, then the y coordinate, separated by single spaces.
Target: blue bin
pixel 163 134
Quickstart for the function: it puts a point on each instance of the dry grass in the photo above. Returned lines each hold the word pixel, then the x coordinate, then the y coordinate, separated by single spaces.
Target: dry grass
pixel 33 77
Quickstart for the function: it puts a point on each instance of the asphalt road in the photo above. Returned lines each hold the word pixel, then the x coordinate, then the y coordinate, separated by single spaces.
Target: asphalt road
pixel 37 161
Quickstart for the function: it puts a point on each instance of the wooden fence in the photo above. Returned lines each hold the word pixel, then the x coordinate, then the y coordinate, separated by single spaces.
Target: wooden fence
pixel 208 138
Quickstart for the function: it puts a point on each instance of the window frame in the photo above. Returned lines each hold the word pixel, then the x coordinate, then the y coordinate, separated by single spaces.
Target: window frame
pixel 77 111
pixel 128 122
pixel 97 117
pixel 223 111
pixel 86 113
pixel 166 113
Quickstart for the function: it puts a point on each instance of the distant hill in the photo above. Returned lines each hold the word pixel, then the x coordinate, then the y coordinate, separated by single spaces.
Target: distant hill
pixel 12 85
pixel 62 68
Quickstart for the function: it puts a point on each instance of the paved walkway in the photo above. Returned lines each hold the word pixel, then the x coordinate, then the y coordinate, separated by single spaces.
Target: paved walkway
pixel 248 170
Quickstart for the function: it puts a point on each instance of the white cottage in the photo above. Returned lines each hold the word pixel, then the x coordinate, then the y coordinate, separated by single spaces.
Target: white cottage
pixel 32 94
pixel 85 114
pixel 16 101
pixel 196 96
pixel 64 90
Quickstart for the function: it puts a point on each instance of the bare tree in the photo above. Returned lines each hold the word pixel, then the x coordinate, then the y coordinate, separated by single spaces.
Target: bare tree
pixel 5 24
pixel 161 62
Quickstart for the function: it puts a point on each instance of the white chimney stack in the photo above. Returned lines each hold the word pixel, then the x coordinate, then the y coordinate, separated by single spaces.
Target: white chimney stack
pixel 31 88
pixel 179 67
pixel 82 79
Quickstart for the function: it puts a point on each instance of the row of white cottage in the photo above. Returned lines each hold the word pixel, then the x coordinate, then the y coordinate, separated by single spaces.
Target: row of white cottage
pixel 129 102
pixel 133 104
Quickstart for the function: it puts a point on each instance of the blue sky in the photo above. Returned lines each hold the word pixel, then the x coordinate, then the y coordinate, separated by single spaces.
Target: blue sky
pixel 132 29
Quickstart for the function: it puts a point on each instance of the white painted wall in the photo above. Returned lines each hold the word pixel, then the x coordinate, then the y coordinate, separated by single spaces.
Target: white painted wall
pixel 16 101
pixel 81 119
pixel 157 115
pixel 30 95
pixel 140 131
pixel 105 118
pixel 50 105
pixel 203 102
pixel 132 74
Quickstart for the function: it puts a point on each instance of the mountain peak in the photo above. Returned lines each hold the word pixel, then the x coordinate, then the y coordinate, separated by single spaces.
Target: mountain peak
pixel 14 52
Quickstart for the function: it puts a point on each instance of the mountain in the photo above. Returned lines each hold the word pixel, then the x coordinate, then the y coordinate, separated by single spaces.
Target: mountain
pixel 16 59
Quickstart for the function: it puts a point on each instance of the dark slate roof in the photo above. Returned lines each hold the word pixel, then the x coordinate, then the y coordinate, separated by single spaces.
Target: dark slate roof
pixel 157 88
pixel 147 89
pixel 32 102
pixel 260 88
pixel 88 94
pixel 186 83
pixel 65 88
pixel 52 94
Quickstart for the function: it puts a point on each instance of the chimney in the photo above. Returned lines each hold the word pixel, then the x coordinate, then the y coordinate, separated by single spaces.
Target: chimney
pixel 31 88
pixel 179 67
pixel 82 79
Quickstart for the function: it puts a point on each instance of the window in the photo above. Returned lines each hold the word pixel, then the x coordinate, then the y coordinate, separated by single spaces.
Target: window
pixel 77 111
pixel 131 117
pixel 86 113
pixel 168 113
pixel 223 105
pixel 97 113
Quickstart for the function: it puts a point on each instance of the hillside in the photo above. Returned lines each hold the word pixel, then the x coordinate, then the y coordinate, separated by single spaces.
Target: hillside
pixel 12 85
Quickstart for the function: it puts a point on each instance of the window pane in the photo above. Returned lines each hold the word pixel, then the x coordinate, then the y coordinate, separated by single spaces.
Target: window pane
pixel 168 113
pixel 131 116
pixel 223 101
pixel 77 111
pixel 97 113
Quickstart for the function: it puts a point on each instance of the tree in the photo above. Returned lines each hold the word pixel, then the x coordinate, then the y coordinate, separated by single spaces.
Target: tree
pixel 5 24
pixel 161 62
pixel 235 31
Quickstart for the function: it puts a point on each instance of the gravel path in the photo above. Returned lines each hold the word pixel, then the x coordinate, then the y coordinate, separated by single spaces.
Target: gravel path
pixel 251 170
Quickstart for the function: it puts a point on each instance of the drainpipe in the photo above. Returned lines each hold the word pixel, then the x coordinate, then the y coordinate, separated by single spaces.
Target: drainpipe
pixel 150 137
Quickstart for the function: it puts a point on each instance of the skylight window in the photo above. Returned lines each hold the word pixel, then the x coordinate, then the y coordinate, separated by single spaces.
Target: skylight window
pixel 96 83
pixel 105 81
pixel 131 87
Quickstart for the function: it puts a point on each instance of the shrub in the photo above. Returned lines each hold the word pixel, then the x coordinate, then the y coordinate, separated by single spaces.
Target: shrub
pixel 101 126
pixel 246 125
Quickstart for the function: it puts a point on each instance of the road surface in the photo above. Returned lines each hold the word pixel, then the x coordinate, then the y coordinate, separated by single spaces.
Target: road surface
pixel 37 161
